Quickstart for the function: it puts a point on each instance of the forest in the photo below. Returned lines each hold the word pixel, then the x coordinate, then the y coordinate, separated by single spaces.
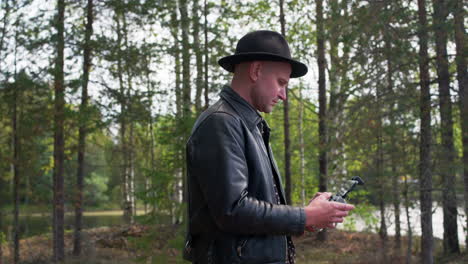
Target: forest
pixel 98 98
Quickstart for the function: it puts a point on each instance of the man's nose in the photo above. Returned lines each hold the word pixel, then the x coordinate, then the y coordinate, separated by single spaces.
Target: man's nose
pixel 282 94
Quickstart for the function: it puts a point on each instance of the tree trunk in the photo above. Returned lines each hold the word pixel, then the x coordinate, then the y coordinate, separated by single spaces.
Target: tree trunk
pixel 123 124
pixel 323 168
pixel 16 171
pixel 198 56
pixel 205 12
pixel 380 174
pixel 336 149
pixel 130 147
pixel 131 159
pixel 1 233
pixel 287 141
pixel 447 164
pixel 462 77
pixel 176 50
pixel 393 148
pixel 408 223
pixel 59 117
pixel 179 100
pixel 186 90
pixel 425 174
pixel 301 146
pixel 149 179
pixel 82 130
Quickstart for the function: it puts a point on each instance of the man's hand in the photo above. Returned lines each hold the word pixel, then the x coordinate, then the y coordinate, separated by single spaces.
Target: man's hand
pixel 321 213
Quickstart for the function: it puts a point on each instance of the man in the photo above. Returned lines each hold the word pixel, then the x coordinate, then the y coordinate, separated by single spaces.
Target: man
pixel 237 208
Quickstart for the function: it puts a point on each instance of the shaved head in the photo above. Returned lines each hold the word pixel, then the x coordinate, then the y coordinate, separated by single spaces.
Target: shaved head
pixel 262 83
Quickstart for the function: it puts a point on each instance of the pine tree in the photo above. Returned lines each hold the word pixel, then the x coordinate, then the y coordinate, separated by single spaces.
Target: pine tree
pixel 447 159
pixel 462 77
pixel 82 130
pixel 425 174
pixel 59 118
pixel 323 165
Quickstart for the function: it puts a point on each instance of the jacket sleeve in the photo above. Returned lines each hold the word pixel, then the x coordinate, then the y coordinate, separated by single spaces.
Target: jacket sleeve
pixel 217 162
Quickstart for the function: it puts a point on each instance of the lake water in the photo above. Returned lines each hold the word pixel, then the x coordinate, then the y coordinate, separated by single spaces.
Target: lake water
pixel 415 220
pixel 36 224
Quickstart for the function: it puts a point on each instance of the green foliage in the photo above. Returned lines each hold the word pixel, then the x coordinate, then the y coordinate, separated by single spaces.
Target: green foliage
pixel 2 238
pixel 363 212
pixel 95 189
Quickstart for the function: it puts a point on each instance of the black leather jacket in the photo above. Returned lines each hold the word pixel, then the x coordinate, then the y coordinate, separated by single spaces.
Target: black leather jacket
pixel 232 208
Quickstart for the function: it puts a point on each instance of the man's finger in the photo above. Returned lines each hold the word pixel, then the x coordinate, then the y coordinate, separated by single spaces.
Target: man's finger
pixel 341 213
pixel 342 206
pixel 336 219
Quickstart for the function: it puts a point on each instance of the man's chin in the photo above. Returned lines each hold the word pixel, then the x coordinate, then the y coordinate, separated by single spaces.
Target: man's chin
pixel 267 110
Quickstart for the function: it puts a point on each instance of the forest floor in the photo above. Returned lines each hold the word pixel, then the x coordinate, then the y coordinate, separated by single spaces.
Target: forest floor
pixel 141 244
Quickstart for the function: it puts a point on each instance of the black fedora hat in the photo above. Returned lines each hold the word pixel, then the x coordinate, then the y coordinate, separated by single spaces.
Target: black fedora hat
pixel 263 45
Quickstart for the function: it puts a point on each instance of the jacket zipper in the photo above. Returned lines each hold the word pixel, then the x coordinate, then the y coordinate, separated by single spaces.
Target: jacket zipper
pixel 240 247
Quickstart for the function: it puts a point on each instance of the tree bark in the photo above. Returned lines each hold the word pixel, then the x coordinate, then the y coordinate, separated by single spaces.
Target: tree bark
pixel 447 164
pixel 323 168
pixel 123 124
pixel 176 53
pixel 151 162
pixel 16 160
pixel 16 171
pixel 380 174
pixel 1 233
pixel 301 146
pixel 131 158
pixel 393 147
pixel 186 90
pixel 82 130
pixel 462 78
pixel 198 56
pixel 175 31
pixel 287 140
pixel 425 173
pixel 129 154
pixel 335 113
pixel 408 223
pixel 205 12
pixel 186 98
pixel 59 117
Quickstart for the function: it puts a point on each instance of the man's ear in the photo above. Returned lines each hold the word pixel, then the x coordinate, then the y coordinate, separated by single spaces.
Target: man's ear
pixel 255 68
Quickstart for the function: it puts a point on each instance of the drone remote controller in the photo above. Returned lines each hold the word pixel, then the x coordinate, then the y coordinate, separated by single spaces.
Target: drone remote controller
pixel 340 196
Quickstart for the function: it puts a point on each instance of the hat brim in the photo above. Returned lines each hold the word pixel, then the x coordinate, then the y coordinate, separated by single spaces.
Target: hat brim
pixel 298 69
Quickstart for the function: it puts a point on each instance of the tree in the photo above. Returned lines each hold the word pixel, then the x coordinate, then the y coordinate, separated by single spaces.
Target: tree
pixel 323 166
pixel 462 77
pixel 59 118
pixel 447 159
pixel 206 62
pixel 287 141
pixel 123 100
pixel 6 8
pixel 390 72
pixel 186 89
pixel 83 129
pixel 16 162
pixel 198 56
pixel 425 173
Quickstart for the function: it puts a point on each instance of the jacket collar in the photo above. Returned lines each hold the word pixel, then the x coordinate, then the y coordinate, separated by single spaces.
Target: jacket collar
pixel 248 113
